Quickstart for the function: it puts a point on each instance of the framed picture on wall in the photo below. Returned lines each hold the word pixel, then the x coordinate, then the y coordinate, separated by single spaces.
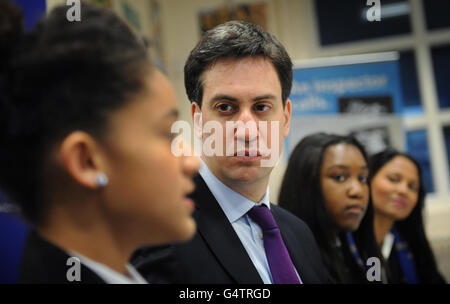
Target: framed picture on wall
pixel 255 13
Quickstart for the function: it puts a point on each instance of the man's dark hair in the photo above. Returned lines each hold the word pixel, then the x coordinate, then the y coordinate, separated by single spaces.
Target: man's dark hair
pixel 235 40
pixel 60 77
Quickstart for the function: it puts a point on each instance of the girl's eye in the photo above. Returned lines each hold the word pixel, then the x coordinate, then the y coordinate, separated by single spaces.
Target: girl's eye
pixel 171 136
pixel 363 179
pixel 339 178
pixel 393 179
pixel 414 187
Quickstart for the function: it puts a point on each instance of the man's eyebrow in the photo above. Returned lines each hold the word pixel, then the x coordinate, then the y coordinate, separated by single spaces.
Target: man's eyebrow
pixel 223 97
pixel 264 97
pixel 231 98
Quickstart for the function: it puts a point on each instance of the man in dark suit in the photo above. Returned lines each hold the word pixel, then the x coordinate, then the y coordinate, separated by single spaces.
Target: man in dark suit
pixel 238 79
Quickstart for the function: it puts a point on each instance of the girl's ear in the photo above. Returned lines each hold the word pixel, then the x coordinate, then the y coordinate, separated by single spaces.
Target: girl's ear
pixel 81 158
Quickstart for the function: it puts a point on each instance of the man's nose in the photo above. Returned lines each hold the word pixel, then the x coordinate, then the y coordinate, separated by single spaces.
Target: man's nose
pixel 247 127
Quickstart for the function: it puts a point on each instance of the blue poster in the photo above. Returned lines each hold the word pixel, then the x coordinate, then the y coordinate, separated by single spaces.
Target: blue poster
pixel 365 84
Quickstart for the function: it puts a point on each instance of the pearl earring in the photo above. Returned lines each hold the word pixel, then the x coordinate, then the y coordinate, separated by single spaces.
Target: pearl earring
pixel 102 180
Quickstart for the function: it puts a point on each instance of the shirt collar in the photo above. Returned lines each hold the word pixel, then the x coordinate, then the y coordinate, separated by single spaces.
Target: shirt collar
pixel 109 275
pixel 233 204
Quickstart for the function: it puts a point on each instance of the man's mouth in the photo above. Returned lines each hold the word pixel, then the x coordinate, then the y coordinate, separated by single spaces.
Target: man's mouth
pixel 247 153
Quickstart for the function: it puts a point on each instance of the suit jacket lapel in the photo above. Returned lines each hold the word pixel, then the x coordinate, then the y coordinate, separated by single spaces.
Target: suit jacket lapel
pixel 220 236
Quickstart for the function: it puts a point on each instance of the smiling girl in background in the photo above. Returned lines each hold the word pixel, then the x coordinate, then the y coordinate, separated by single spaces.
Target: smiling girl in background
pixel 398 196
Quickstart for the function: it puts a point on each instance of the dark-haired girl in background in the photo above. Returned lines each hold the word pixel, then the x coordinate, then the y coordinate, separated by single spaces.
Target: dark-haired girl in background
pixel 86 147
pixel 398 195
pixel 325 184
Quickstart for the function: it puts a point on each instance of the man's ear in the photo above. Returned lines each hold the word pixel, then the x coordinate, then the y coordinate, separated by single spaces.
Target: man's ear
pixel 287 114
pixel 196 113
pixel 81 159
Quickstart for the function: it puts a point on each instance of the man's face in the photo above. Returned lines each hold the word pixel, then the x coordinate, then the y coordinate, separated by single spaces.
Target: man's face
pixel 246 90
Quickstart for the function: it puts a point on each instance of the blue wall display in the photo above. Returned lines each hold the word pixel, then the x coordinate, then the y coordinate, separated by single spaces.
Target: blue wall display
pixel 365 84
pixel 358 94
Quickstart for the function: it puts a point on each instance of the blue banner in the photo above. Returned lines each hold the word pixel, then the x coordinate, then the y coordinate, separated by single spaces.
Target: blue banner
pixel 372 87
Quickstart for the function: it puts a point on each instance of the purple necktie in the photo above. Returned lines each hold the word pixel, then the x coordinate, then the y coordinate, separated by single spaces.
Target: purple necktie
pixel 280 264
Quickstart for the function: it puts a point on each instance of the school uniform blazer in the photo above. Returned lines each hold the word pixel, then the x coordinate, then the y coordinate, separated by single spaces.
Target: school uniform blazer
pixel 216 255
pixel 44 263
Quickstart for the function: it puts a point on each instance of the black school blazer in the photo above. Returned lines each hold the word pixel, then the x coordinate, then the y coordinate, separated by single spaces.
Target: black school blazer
pixel 44 263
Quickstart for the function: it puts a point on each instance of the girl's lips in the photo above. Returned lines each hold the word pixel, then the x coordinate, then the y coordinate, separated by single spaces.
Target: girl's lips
pixel 399 203
pixel 354 210
pixel 189 203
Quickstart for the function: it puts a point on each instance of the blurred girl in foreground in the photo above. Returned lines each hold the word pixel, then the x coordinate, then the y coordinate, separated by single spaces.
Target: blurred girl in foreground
pixel 85 131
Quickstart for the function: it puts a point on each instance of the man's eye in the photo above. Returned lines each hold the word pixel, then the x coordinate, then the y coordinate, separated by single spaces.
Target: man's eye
pixel 224 107
pixel 261 107
pixel 363 179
